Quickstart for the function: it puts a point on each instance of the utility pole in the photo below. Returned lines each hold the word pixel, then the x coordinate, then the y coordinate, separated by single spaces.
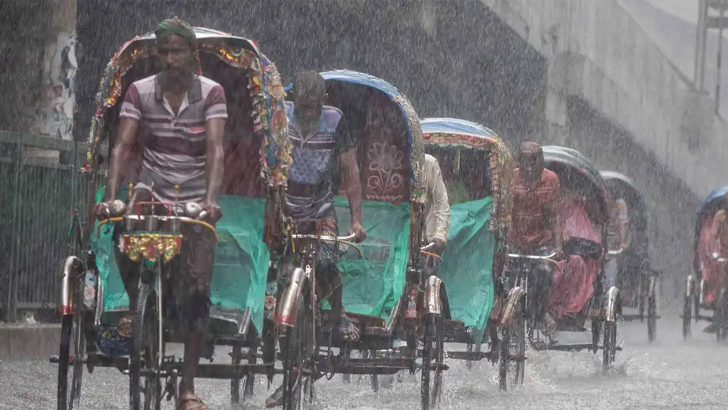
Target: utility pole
pixel 719 63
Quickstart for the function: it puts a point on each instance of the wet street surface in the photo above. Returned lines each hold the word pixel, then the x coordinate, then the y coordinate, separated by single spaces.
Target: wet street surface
pixel 669 374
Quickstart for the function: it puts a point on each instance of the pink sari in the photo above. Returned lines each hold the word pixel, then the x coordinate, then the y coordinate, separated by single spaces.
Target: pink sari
pixel 710 268
pixel 574 283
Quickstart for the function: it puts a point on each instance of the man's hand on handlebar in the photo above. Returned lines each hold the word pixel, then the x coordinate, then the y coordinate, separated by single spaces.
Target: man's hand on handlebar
pixel 211 210
pixel 438 245
pixel 559 254
pixel 358 231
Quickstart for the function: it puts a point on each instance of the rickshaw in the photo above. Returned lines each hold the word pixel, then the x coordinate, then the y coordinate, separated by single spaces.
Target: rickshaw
pixel 706 288
pixel 600 306
pixel 257 154
pixel 387 293
pixel 481 306
pixel 636 279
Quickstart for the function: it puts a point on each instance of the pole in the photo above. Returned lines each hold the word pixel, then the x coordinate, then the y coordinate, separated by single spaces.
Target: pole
pixel 11 304
pixel 700 33
pixel 720 55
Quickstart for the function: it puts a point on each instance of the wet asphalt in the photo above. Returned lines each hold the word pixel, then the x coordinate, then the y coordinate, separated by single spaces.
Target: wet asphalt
pixel 669 374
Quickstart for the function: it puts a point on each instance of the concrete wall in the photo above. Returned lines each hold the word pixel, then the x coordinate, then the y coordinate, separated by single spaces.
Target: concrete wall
pixel 598 53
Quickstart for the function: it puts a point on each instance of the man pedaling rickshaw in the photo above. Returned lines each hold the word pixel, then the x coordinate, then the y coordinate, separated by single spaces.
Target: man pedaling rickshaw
pixel 322 146
pixel 536 224
pixel 178 120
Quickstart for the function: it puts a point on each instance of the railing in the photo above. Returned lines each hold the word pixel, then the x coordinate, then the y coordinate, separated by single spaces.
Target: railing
pixel 41 187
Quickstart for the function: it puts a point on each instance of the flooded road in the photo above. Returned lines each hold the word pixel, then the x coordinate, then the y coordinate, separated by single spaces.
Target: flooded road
pixel 669 374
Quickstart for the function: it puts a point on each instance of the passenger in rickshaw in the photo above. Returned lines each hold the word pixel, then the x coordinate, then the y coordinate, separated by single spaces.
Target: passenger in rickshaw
pixel 178 119
pixel 536 225
pixel 618 229
pixel 437 206
pixel 574 280
pixel 322 146
pixel 716 242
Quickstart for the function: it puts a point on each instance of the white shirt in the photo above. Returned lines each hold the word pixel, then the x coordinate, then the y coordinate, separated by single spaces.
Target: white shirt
pixel 437 207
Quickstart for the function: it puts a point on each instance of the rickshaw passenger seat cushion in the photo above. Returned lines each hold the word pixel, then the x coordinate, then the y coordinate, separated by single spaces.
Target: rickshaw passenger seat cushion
pixel 240 267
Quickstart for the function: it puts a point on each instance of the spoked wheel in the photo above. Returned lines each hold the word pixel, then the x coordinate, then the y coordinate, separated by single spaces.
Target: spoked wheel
pixel 610 343
pixel 511 367
pixel 298 365
pixel 433 352
pixel 237 359
pixel 144 364
pixel 652 311
pixel 70 361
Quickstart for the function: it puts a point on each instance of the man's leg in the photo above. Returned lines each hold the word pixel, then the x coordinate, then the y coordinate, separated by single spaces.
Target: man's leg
pixel 544 284
pixel 197 253
pixel 129 272
pixel 329 278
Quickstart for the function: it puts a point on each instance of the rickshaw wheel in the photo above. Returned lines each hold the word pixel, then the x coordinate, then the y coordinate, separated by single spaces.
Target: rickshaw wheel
pixel 144 354
pixel 433 350
pixel 651 311
pixel 298 374
pixel 513 351
pixel 72 333
pixel 610 343
pixel 237 356
pixel 721 315
pixel 687 316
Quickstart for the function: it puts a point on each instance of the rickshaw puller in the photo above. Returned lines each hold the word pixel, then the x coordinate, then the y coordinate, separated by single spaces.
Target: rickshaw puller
pixel 536 225
pixel 178 118
pixel 322 146
pixel 718 244
pixel 618 229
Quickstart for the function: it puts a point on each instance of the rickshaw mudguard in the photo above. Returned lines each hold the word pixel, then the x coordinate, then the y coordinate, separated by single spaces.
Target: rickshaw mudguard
pixel 72 268
pixel 690 286
pixel 433 297
pixel 514 298
pixel 287 309
pixel 612 304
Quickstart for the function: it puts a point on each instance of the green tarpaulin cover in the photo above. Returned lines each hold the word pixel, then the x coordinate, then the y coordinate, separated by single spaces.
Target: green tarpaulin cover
pixel 373 284
pixel 241 259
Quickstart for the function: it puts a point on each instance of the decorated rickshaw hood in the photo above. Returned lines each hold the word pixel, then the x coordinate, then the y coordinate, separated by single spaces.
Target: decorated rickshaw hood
pixel 264 84
pixel 576 160
pixel 414 130
pixel 712 197
pixel 463 134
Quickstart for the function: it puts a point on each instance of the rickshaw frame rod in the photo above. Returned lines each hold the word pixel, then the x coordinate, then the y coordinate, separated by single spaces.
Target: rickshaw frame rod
pixel 475 356
pixel 568 348
pixel 635 316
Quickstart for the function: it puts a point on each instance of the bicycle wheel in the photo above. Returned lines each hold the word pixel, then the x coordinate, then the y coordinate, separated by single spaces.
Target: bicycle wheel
pixel 610 343
pixel 511 367
pixel 143 360
pixel 72 334
pixel 432 355
pixel 298 371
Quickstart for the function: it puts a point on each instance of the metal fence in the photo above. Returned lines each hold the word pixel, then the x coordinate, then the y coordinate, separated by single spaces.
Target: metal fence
pixel 40 188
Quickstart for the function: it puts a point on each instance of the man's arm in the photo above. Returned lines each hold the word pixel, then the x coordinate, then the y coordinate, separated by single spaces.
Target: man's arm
pixel 554 204
pixel 214 158
pixel 350 178
pixel 126 138
pixel 623 225
pixel 215 117
pixel 441 203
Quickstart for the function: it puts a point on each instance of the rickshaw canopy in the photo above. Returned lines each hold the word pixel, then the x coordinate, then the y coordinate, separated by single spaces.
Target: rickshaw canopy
pixel 583 174
pixel 265 90
pixel 457 135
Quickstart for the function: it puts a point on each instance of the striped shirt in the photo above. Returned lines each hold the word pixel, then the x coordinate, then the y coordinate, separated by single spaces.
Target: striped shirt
pixel 310 193
pixel 173 145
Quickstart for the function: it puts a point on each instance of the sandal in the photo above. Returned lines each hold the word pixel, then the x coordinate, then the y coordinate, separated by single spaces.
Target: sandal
pixel 348 330
pixel 189 401
pixel 275 399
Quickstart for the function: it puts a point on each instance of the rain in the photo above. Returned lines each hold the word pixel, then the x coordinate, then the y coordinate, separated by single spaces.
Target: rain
pixel 627 99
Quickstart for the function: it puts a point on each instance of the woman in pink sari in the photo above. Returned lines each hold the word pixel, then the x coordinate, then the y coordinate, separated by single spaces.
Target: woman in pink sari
pixel 574 281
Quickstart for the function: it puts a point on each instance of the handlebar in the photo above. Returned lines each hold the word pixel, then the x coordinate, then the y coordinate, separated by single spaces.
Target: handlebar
pixel 182 219
pixel 518 256
pixel 615 253
pixel 716 256
pixel 327 238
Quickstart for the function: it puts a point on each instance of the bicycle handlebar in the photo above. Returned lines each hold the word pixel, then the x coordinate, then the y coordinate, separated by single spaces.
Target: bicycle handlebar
pixel 518 256
pixel 716 257
pixel 615 253
pixel 327 238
